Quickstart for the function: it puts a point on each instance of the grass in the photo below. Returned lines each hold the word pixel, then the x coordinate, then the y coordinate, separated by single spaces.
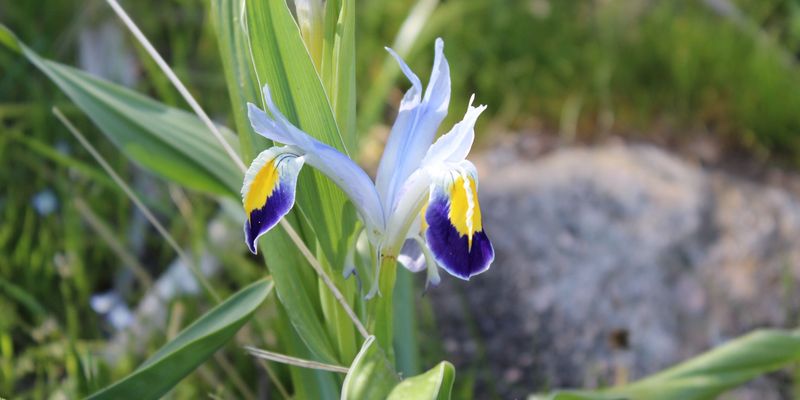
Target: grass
pixel 630 67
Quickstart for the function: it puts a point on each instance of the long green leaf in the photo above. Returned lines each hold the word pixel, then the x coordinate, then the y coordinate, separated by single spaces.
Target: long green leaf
pixel 170 142
pixel 405 332
pixel 339 66
pixel 435 384
pixel 282 61
pixel 190 348
pixel 296 285
pixel 371 375
pixel 710 374
pixel 297 291
pixel 242 84
pixel 323 213
pixel 308 383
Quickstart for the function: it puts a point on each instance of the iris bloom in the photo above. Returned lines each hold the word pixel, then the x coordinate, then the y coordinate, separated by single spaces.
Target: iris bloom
pixel 423 206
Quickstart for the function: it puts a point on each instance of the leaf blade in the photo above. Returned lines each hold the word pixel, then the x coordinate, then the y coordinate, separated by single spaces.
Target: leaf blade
pixel 371 376
pixel 190 348
pixel 435 384
pixel 282 61
pixel 165 140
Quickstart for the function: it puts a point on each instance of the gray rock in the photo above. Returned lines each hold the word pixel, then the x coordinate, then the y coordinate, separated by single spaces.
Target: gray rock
pixel 613 263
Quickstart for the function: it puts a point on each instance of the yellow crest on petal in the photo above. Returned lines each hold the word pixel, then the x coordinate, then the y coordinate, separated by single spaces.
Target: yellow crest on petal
pixel 465 212
pixel 262 186
pixel 423 222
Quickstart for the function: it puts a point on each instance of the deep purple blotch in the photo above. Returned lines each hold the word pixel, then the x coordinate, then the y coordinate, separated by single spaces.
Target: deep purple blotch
pixel 451 248
pixel 264 218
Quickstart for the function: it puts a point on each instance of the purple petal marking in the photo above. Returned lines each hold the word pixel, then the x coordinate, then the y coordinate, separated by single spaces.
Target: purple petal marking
pixel 450 248
pixel 263 219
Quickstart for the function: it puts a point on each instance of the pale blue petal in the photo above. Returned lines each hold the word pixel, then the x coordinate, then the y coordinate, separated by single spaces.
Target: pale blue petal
pixel 336 166
pixel 411 256
pixel 411 198
pixel 414 129
pixel 454 146
pixel 416 256
pixel 416 85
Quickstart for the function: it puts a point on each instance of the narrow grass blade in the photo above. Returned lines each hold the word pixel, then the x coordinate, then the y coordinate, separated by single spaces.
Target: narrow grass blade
pixel 139 204
pixel 190 348
pixel 710 374
pixel 242 84
pixel 226 146
pixel 165 140
pixel 339 66
pixel 299 362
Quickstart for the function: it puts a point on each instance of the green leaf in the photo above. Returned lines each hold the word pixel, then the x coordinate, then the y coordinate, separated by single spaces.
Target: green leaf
pixel 339 66
pixel 710 374
pixel 297 291
pixel 296 284
pixel 435 384
pixel 190 348
pixel 282 61
pixel 308 383
pixel 170 142
pixel 323 215
pixel 371 375
pixel 405 333
pixel 241 81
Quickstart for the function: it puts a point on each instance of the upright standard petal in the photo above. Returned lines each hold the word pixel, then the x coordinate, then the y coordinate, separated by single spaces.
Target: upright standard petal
pixel 415 127
pixel 336 166
pixel 453 146
pixel 268 191
pixel 455 232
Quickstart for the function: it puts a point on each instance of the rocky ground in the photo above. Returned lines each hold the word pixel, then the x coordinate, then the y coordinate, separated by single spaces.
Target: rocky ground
pixel 614 262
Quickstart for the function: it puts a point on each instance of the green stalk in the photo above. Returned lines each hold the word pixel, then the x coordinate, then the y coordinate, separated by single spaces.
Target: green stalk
pixel 339 325
pixel 380 308
pixel 405 331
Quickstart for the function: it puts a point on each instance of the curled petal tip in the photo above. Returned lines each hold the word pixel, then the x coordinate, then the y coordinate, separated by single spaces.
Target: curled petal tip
pixel 266 93
pixel 268 191
pixel 251 244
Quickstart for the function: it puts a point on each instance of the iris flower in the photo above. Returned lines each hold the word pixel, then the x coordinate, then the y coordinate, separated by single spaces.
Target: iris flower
pixel 422 208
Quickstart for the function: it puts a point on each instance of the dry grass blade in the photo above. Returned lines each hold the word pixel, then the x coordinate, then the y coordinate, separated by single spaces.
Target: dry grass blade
pixel 325 278
pixel 282 358
pixel 113 242
pixel 176 82
pixel 139 204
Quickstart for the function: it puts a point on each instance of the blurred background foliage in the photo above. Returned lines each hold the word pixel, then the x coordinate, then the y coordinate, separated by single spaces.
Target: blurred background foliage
pixel 657 70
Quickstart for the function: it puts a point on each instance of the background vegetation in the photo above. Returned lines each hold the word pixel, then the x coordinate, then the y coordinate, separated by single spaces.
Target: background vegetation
pixel 654 70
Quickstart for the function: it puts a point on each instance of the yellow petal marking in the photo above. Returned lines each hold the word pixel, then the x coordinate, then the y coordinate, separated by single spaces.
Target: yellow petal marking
pixel 423 226
pixel 465 212
pixel 261 188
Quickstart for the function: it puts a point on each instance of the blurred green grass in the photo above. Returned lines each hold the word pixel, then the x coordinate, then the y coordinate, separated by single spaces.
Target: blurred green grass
pixel 650 69
pixel 644 68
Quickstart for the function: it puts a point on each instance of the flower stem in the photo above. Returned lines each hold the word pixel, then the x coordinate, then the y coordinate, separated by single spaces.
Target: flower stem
pixel 381 310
